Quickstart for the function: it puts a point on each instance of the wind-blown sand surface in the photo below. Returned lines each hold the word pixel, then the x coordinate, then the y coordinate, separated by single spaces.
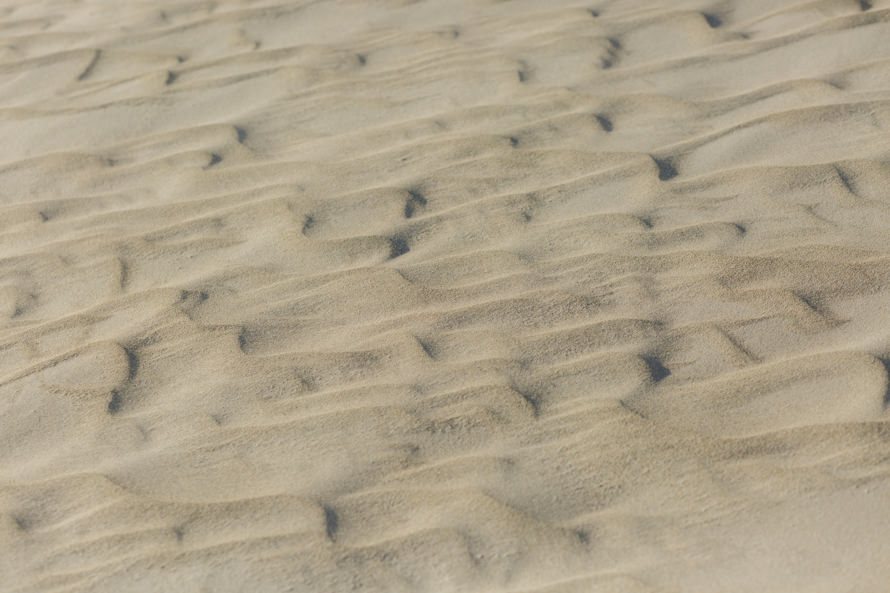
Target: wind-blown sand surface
pixel 446 296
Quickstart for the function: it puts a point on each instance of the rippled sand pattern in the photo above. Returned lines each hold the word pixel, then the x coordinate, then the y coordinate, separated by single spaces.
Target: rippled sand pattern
pixel 444 296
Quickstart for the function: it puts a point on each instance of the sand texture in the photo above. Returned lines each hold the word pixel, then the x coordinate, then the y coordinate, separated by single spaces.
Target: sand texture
pixel 482 296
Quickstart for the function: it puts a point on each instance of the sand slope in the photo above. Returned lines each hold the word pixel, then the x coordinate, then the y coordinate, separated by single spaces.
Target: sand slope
pixel 448 296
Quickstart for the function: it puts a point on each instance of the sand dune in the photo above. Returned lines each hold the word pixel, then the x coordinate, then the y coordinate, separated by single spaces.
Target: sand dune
pixel 447 296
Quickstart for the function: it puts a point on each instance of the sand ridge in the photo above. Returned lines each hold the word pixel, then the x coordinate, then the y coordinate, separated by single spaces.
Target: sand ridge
pixel 476 295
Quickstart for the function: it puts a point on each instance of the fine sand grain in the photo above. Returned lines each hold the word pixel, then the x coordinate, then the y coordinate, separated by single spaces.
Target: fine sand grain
pixel 483 296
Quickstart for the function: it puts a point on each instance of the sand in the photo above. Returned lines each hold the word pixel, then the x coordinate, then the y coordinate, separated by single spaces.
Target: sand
pixel 444 296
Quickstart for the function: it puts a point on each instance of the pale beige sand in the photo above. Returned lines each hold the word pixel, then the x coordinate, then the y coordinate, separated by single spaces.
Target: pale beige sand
pixel 444 295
